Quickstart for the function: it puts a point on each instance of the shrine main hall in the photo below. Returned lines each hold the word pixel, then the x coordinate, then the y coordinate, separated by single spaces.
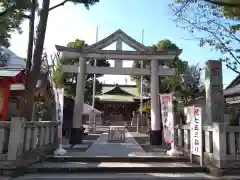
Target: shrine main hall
pixel 117 102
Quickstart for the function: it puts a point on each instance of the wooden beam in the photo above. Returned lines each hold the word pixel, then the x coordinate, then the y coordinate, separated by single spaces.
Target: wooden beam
pixel 118 71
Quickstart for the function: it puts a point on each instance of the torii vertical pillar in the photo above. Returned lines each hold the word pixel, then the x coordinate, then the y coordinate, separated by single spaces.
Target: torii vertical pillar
pixel 76 131
pixel 156 132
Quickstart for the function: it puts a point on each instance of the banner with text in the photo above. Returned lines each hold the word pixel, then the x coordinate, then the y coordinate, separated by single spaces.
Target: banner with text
pixel 59 97
pixel 167 116
pixel 196 131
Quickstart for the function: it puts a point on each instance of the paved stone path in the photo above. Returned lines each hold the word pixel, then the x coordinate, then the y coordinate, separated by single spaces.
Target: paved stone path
pixel 101 147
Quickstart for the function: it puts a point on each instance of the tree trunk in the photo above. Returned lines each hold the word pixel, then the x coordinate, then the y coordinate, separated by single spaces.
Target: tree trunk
pixel 31 35
pixel 29 53
pixel 28 97
pixel 33 74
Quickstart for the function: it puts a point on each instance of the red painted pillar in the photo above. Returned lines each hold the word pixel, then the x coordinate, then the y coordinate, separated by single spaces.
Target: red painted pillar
pixel 5 102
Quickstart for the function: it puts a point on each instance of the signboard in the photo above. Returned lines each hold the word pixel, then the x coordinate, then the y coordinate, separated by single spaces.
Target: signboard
pixel 196 131
pixel 167 117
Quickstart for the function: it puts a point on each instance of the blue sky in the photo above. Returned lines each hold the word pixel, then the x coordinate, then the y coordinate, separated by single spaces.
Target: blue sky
pixel 74 21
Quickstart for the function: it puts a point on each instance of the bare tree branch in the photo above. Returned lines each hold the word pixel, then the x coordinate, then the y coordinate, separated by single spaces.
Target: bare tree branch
pixel 214 34
pixel 58 5
pixel 216 29
pixel 222 3
pixel 234 70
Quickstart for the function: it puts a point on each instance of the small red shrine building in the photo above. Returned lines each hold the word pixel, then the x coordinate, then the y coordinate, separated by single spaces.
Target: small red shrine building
pixel 12 76
pixel 12 69
pixel 8 77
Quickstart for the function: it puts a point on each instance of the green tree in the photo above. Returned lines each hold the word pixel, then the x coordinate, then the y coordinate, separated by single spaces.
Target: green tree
pixel 11 18
pixel 36 43
pixel 177 63
pixel 185 85
pixel 69 80
pixel 191 84
pixel 214 22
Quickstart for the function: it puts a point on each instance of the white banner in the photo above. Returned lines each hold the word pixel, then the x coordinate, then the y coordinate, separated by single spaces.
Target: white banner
pixel 196 131
pixel 59 97
pixel 167 116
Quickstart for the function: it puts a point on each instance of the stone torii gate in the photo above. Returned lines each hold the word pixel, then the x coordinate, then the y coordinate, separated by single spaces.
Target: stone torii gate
pixel 141 53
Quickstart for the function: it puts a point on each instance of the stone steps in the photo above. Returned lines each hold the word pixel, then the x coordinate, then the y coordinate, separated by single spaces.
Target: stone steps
pixel 115 167
pixel 105 167
pixel 142 157
pixel 114 176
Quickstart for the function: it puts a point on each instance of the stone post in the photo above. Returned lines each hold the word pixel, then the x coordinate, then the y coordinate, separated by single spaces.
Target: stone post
pixel 215 110
pixel 118 62
pixel 16 138
pixel 134 119
pixel 138 123
pixel 219 145
pixel 76 131
pixel 34 117
pixel 156 133
pixel 214 92
pixel 143 122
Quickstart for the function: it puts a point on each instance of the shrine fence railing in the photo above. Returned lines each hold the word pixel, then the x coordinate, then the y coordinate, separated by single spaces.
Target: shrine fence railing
pixel 221 144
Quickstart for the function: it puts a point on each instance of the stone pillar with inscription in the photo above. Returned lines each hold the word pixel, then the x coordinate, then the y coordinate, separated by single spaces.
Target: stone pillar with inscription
pixel 214 92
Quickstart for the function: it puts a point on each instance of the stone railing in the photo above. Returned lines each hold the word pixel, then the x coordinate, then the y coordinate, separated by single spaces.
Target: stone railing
pixel 116 134
pixel 4 139
pixel 221 144
pixel 138 125
pixel 25 142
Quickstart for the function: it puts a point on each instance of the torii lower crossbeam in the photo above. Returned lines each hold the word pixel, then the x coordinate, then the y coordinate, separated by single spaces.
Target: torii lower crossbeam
pixel 119 71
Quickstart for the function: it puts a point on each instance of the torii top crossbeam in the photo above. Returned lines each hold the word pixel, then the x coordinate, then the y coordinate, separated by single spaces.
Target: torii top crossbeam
pixel 96 50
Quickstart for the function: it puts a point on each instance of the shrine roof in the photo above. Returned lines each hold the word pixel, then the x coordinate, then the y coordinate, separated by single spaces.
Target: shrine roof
pixel 131 90
pixel 115 98
pixel 12 60
pixel 233 91
pixel 119 93
pixel 10 72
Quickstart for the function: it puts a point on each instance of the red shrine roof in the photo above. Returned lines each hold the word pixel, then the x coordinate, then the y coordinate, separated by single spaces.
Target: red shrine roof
pixel 11 65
